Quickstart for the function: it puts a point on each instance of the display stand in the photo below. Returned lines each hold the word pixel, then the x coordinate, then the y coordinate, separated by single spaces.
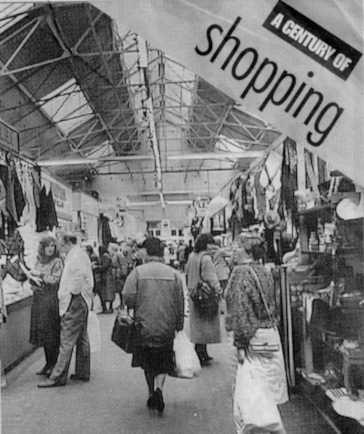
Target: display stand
pixel 323 364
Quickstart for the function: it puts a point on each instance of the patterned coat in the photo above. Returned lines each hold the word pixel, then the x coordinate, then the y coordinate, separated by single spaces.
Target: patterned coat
pixel 245 308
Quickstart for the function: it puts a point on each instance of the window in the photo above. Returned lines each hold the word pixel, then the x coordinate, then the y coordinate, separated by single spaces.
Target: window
pixel 157 233
pixel 174 232
pixel 180 232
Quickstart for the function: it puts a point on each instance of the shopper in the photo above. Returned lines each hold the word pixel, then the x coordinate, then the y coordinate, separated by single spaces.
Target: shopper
pixel 204 329
pixel 220 256
pixel 107 285
pixel 94 263
pixel 154 290
pixel 75 299
pixel 120 269
pixel 44 319
pixel 251 317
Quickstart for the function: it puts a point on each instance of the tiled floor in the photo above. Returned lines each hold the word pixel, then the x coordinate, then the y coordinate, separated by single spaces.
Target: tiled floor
pixel 301 417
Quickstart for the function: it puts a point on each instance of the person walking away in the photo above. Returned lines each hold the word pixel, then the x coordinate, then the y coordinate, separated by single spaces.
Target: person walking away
pixel 204 329
pixel 44 279
pixel 155 292
pixel 75 299
pixel 107 286
pixel 220 256
pixel 181 255
pixel 251 318
pixel 120 270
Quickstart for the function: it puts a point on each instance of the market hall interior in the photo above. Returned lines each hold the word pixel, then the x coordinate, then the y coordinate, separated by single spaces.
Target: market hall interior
pixel 113 132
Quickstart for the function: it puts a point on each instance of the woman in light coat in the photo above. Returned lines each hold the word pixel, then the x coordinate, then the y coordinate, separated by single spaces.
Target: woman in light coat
pixel 204 329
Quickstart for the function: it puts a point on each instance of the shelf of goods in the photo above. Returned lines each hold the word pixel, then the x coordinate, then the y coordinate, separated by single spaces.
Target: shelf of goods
pixel 328 313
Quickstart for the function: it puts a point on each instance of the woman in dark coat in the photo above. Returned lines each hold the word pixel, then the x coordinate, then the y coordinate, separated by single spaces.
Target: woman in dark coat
pixel 107 284
pixel 45 321
pixel 204 329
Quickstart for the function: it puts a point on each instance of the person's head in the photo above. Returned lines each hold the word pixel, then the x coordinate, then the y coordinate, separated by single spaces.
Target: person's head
pixel 154 247
pixel 102 250
pixel 113 249
pixel 47 249
pixel 253 245
pixel 218 241
pixel 89 250
pixel 68 241
pixel 203 241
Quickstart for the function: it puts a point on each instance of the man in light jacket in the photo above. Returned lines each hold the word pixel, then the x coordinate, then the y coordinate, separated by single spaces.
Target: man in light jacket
pixel 75 297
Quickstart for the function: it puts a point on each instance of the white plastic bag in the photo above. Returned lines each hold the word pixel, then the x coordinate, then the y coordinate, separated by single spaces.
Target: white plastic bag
pixel 254 407
pixel 187 363
pixel 94 333
pixel 97 304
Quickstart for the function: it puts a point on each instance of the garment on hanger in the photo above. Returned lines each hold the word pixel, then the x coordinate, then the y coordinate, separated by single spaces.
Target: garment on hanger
pixel 8 181
pixel 35 173
pixel 46 213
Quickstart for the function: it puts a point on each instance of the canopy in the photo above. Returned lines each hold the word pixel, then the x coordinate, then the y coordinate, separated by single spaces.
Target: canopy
pixel 297 64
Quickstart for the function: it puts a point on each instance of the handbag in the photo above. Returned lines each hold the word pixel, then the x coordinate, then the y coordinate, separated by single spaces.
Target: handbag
pixel 204 297
pixel 256 343
pixel 125 333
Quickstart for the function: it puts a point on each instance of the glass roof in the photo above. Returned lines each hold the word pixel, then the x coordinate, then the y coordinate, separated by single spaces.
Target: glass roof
pixel 67 106
pixel 11 12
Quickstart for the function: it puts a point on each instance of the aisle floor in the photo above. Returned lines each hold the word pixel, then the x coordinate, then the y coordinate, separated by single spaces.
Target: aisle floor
pixel 113 402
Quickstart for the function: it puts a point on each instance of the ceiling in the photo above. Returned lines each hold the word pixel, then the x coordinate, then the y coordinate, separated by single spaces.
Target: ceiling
pixel 79 92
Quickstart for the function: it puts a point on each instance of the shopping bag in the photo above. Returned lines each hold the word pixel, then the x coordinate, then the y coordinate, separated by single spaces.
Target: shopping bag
pixel 97 304
pixel 187 363
pixel 254 407
pixel 94 332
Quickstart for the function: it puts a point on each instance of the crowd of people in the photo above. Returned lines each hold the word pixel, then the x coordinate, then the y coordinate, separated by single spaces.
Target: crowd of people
pixel 67 277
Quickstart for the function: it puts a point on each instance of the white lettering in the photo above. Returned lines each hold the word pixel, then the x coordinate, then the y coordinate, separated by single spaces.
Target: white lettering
pixel 277 21
pixel 330 52
pixel 287 27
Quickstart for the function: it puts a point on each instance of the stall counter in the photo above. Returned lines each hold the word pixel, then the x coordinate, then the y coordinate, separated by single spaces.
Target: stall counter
pixel 14 333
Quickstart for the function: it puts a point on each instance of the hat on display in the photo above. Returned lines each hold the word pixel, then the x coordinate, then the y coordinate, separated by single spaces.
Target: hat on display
pixel 348 209
pixel 271 219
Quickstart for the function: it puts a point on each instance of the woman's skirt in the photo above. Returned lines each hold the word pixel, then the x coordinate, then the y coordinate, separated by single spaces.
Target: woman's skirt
pixel 154 360
pixel 45 321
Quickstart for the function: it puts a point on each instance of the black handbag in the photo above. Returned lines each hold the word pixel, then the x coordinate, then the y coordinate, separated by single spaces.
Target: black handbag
pixel 124 332
pixel 204 298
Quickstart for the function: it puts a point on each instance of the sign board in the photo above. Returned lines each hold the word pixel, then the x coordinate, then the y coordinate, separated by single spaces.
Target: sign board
pixel 9 137
pixel 298 65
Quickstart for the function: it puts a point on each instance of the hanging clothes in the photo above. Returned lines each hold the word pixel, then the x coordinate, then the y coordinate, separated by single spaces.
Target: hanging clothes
pixel 104 231
pixel 46 213
pixel 8 180
pixel 288 204
pixel 35 173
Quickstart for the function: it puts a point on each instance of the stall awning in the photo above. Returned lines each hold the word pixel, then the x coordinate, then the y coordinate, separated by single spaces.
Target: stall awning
pixel 217 204
pixel 295 64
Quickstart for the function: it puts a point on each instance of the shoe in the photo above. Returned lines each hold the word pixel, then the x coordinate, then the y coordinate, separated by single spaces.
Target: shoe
pixel 43 371
pixel 111 310
pixel 151 404
pixel 50 383
pixel 208 358
pixel 76 377
pixel 159 402
pixel 205 362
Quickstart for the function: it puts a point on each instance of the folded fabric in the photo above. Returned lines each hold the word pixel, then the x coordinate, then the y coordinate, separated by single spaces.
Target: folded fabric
pixel 349 408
